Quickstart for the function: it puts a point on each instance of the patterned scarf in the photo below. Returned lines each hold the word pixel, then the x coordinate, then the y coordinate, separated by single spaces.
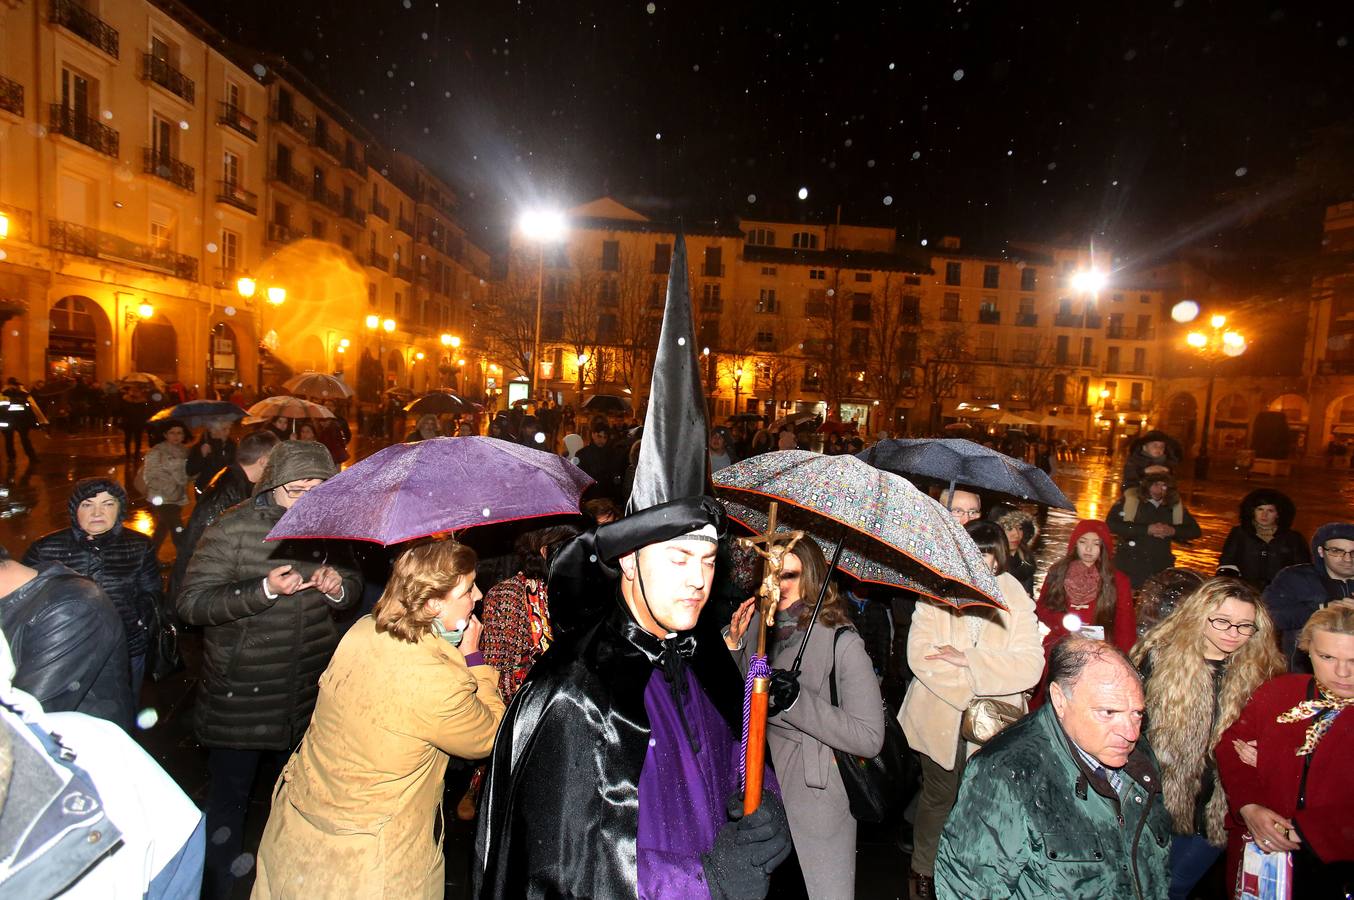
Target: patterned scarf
pixel 787 622
pixel 1081 584
pixel 1324 708
pixel 1266 533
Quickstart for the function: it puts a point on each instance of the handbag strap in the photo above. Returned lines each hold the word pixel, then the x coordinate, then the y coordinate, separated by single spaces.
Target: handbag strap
pixel 832 676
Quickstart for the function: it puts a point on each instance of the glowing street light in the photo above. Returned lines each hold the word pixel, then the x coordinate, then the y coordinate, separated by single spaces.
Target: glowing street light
pixel 373 322
pixel 246 286
pixel 145 310
pixel 541 226
pixel 1089 281
pixel 4 226
pixel 1211 347
pixel 388 325
pixel 277 295
pixel 450 340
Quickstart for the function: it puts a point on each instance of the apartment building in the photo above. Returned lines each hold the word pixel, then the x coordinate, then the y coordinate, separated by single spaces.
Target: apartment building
pixel 799 316
pixel 152 173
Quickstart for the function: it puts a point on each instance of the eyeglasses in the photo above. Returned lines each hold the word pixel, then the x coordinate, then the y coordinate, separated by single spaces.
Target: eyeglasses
pixel 295 493
pixel 1245 629
pixel 966 513
pixel 1337 553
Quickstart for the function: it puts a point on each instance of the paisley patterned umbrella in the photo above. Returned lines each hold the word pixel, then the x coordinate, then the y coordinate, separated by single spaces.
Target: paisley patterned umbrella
pixel 892 533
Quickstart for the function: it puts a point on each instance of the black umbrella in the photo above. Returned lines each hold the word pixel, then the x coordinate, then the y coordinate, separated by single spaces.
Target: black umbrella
pixel 441 403
pixel 607 403
pixel 961 462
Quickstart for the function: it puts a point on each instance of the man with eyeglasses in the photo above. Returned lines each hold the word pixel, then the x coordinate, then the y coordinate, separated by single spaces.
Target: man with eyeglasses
pixel 267 610
pixel 1298 591
pixel 964 506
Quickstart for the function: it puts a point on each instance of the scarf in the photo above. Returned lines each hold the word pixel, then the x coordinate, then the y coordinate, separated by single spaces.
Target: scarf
pixel 1266 534
pixel 1324 708
pixel 787 622
pixel 1081 584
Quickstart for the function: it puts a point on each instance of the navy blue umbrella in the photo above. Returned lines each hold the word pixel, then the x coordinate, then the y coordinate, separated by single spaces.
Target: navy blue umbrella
pixel 961 462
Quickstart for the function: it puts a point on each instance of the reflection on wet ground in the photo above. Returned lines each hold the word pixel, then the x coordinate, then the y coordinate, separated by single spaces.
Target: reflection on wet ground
pixel 33 502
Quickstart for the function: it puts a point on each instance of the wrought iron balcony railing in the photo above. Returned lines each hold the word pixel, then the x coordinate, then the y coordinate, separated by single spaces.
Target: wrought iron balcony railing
pixel 234 117
pixel 160 164
pixel 231 192
pixel 289 177
pixel 380 211
pixel 11 96
pixel 79 21
pixel 280 233
pixel 68 237
pixel 88 131
pixel 162 72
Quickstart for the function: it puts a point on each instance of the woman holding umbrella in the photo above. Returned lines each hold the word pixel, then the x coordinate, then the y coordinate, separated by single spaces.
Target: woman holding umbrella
pixel 355 811
pixel 958 656
pixel 802 737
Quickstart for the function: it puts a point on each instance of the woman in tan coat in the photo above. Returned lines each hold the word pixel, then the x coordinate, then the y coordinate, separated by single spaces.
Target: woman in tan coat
pixel 354 811
pixel 957 656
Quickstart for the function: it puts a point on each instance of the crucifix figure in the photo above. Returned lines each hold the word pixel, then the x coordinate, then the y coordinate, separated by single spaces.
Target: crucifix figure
pixel 774 551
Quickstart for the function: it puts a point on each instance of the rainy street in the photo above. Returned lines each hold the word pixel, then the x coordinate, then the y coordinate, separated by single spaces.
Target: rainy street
pixel 34 502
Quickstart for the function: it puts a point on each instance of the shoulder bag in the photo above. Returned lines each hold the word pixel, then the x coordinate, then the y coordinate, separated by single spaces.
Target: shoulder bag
pixel 879 786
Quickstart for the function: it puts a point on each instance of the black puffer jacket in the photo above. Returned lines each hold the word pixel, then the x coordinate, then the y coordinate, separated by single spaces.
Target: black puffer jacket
pixel 121 561
pixel 230 487
pixel 205 468
pixel 262 657
pixel 67 644
pixel 1247 556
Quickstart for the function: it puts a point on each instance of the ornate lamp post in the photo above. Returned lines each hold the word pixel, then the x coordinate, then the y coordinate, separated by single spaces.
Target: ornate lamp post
pixel 1212 346
pixel 541 227
pixel 276 295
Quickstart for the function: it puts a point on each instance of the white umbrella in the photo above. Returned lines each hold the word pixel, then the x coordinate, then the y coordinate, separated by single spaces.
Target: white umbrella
pixel 317 385
pixel 291 407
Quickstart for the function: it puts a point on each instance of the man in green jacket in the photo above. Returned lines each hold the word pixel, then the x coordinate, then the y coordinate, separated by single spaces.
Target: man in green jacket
pixel 1064 803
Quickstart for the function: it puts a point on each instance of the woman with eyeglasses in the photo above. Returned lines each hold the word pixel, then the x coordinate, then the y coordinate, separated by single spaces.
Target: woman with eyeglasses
pixel 1293 792
pixel 1200 666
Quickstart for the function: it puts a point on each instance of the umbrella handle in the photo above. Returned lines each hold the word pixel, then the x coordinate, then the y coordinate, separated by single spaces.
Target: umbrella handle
pixel 822 595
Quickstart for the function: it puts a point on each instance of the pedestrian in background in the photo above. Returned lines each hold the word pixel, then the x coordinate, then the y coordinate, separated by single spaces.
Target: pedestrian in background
pixel 1147 519
pixel 118 559
pixel 807 726
pixel 1086 584
pixel 1300 590
pixel 957 656
pixel 1021 534
pixel 1200 666
pixel 1293 794
pixel 134 410
pixel 19 414
pixel 165 473
pixel 214 451
pixel 356 811
pixel 1264 542
pixel 1155 453
pixel 1064 803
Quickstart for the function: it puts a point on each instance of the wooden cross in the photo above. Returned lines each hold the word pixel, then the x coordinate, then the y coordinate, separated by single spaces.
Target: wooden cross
pixel 776 547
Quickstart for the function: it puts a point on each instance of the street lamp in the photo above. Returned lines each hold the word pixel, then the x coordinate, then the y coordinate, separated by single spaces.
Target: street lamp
pixel 4 225
pixel 737 387
pixel 541 226
pixel 1212 346
pixel 276 295
pixel 1088 281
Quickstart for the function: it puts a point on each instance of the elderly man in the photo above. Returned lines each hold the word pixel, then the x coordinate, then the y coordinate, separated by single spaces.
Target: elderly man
pixel 964 506
pixel 267 611
pixel 119 559
pixel 1298 591
pixel 1064 803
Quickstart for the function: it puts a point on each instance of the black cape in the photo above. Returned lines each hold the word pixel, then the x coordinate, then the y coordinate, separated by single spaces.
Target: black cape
pixel 560 809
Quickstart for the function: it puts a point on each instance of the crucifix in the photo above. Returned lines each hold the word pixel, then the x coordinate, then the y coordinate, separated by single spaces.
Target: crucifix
pixel 772 547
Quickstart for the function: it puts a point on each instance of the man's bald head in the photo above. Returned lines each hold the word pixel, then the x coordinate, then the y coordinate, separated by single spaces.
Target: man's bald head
pixel 964 506
pixel 1097 695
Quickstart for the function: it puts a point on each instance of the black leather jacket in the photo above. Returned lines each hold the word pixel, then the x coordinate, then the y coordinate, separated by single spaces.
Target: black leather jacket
pixel 68 647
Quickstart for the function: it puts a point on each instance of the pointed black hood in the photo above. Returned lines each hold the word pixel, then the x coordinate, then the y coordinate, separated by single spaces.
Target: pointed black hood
pixel 672 495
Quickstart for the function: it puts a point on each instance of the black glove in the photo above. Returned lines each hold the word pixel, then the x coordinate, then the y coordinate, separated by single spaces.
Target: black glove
pixel 747 849
pixel 784 691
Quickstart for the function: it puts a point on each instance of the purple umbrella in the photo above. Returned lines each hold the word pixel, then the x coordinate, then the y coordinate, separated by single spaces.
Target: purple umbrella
pixel 411 491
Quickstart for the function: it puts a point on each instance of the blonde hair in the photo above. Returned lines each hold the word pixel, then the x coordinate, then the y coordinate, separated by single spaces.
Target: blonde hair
pixel 421 574
pixel 1182 726
pixel 1335 618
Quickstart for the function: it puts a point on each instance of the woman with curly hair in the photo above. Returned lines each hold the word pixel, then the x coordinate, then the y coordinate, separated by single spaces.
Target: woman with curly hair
pixel 1200 666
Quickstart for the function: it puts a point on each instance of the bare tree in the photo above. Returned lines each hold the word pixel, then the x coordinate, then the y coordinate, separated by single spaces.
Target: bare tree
pixel 827 345
pixel 582 313
pixel 1034 376
pixel 737 340
pixel 892 344
pixel 946 360
pixel 509 325
pixel 636 321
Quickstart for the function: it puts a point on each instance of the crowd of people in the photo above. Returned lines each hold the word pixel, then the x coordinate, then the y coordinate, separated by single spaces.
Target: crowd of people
pixel 1116 729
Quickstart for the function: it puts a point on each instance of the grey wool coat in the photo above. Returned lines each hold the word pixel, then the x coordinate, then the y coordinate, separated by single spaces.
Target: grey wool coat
pixel 802 740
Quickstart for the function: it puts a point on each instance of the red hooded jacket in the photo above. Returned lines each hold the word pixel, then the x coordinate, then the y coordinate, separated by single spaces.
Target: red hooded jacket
pixel 1125 631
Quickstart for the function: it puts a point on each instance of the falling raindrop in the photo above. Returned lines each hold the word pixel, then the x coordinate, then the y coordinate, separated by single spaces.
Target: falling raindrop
pixel 658 136
pixel 916 154
pixel 681 342
pixel 803 193
pixel 752 198
pixel 146 719
pixel 259 70
pixel 958 74
pixel 888 199
pixel 230 310
pixel 485 512
pixel 211 246
pixel 157 500
pixel 1241 172
pixel 1072 622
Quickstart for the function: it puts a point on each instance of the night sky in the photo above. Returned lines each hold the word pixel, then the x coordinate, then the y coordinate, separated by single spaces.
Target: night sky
pixel 1148 125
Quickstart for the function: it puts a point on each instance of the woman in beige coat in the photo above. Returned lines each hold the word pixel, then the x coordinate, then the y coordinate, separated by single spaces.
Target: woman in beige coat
pixel 956 656
pixel 354 811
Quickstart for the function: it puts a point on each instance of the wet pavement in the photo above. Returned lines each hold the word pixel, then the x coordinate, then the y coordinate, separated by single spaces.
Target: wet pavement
pixel 33 502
